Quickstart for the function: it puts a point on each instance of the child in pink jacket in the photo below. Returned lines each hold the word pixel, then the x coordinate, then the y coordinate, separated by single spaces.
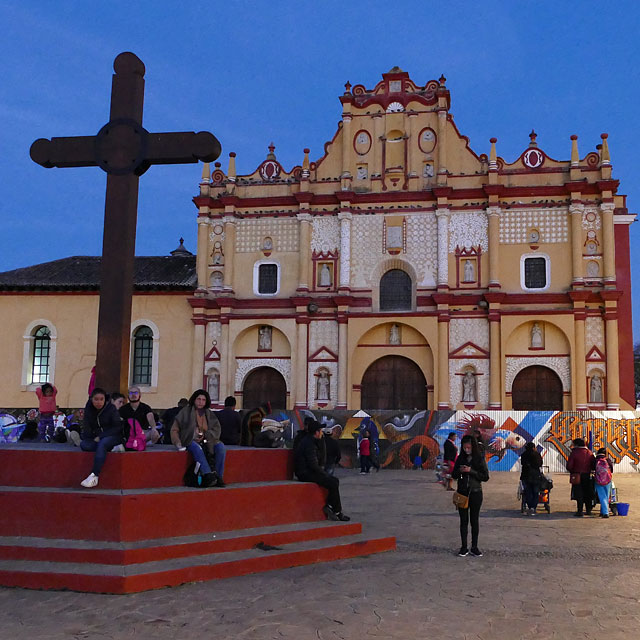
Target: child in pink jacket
pixel 47 407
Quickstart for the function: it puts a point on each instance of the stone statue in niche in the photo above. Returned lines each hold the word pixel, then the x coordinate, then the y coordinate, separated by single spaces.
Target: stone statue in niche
pixel 217 258
pixel 362 173
pixel 325 275
pixel 595 389
pixel 213 385
pixel 593 269
pixel 264 338
pixel 267 244
pixel 394 237
pixel 469 387
pixel 469 271
pixel 536 336
pixel 322 386
pixel 216 280
pixel 394 334
pixel 427 171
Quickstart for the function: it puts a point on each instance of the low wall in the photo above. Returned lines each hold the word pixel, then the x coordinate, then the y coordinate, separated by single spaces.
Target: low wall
pixel 407 434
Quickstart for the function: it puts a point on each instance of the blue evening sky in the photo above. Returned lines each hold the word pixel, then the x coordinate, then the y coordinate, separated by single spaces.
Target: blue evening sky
pixel 256 72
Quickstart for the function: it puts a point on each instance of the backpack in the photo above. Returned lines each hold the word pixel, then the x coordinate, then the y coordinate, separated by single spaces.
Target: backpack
pixel 136 440
pixel 603 473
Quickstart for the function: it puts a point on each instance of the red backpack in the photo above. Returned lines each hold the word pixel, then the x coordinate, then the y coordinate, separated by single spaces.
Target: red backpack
pixel 603 472
pixel 137 441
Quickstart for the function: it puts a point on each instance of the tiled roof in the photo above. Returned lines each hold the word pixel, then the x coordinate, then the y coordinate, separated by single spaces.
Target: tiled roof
pixel 158 273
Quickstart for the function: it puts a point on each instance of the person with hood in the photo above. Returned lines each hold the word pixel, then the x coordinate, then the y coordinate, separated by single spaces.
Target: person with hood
pixel 604 479
pixel 308 469
pixel 101 432
pixel 579 465
pixel 531 463
pixel 196 426
pixel 470 470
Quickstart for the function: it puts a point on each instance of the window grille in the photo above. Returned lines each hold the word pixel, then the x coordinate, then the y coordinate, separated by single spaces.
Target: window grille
pixel 535 273
pixel 41 352
pixel 395 291
pixel 142 356
pixel 268 278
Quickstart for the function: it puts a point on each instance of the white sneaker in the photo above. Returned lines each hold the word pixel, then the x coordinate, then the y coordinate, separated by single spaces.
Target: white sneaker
pixel 118 449
pixel 90 481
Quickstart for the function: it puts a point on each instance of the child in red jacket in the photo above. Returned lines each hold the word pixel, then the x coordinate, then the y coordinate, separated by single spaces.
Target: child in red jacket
pixel 47 407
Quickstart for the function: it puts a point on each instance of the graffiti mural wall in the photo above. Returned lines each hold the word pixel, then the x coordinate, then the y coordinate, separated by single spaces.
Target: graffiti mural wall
pixel 408 437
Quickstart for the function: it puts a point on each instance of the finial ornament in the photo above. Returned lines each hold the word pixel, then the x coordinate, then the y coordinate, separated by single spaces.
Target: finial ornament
pixel 575 156
pixel 493 157
pixel 347 87
pixel 532 138
pixel 605 157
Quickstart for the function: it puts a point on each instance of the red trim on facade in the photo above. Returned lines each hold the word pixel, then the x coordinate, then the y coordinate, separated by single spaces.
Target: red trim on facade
pixel 625 333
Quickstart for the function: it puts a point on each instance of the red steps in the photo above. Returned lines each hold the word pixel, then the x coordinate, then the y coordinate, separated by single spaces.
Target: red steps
pixel 141 529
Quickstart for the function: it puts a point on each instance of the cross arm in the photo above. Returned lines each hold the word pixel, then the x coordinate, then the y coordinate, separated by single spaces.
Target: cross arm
pixel 78 151
pixel 182 147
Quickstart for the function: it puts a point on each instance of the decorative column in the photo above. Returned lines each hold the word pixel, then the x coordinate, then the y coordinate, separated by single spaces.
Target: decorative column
pixel 301 362
pixel 227 376
pixel 229 250
pixel 576 210
pixel 442 146
pixel 345 248
pixel 347 139
pixel 613 367
pixel 342 360
pixel 608 240
pixel 378 122
pixel 197 353
pixel 304 235
pixel 493 214
pixel 495 360
pixel 412 168
pixel 579 362
pixel 202 257
pixel 443 360
pixel 443 247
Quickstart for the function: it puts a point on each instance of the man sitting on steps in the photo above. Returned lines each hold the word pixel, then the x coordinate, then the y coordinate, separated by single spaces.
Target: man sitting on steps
pixel 308 469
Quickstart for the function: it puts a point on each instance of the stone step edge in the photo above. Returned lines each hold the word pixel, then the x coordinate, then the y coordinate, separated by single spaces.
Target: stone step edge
pixel 170 548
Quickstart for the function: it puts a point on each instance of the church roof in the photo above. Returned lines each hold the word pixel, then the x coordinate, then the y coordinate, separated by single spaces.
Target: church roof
pixel 152 273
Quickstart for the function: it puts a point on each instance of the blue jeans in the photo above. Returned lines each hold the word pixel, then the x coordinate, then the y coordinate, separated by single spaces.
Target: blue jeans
pixel 101 448
pixel 219 453
pixel 604 493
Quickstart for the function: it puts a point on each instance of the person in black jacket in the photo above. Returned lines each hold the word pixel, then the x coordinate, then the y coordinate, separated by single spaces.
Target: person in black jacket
pixel 308 469
pixel 449 459
pixel 531 462
pixel 101 432
pixel 230 422
pixel 470 470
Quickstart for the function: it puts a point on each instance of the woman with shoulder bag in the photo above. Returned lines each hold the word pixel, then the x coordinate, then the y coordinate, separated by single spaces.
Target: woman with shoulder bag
pixel 579 466
pixel 470 470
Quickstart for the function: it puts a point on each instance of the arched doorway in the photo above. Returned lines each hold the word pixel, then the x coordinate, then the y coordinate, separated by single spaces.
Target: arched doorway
pixel 537 388
pixel 264 384
pixel 393 382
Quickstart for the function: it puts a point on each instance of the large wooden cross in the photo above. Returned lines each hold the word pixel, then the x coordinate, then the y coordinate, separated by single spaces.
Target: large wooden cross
pixel 124 150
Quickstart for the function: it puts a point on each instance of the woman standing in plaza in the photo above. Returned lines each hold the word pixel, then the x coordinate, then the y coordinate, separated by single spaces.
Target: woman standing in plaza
pixel 470 470
pixel 579 465
pixel 531 462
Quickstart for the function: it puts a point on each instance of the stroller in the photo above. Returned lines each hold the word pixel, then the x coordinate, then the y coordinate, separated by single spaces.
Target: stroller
pixel 544 496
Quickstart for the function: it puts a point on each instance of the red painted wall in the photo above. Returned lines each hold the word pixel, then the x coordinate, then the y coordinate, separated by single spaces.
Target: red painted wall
pixel 625 326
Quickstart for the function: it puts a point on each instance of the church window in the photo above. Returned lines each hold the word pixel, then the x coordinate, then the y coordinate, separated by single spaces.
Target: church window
pixel 41 353
pixel 395 291
pixel 534 272
pixel 266 278
pixel 142 355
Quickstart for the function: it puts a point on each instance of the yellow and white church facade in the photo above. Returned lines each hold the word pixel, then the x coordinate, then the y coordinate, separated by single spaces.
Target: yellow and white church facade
pixel 399 270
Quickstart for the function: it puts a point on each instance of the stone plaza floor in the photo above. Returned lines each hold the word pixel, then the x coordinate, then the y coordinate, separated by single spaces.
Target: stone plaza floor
pixel 548 576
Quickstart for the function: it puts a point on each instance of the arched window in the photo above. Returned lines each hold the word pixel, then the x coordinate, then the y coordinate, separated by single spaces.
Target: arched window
pixel 395 291
pixel 142 355
pixel 41 353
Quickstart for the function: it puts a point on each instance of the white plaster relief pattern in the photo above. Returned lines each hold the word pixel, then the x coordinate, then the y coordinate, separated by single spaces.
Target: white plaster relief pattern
pixel 243 367
pixel 594 333
pixel 482 381
pixel 345 251
pixel 251 234
pixel 591 225
pixel 561 365
pixel 366 248
pixel 515 224
pixel 323 333
pixel 422 247
pixel 332 367
pixel 214 331
pixel 463 330
pixel 443 254
pixel 213 236
pixel 596 367
pixel 325 233
pixel 468 229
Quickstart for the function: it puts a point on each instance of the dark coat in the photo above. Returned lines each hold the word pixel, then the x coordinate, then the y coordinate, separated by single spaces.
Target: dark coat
pixel 333 450
pixel 230 425
pixel 450 451
pixel 531 462
pixel 581 460
pixel 103 423
pixel 305 458
pixel 472 481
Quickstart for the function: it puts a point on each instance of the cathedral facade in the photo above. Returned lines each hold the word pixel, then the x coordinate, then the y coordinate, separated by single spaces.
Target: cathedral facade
pixel 399 270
